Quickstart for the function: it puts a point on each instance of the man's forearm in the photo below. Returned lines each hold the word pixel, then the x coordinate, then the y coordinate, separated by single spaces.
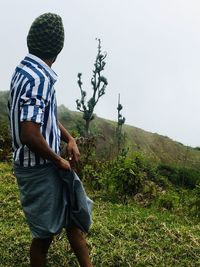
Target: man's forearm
pixel 72 148
pixel 65 135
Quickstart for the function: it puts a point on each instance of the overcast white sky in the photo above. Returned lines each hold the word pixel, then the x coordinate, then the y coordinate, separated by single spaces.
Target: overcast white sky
pixel 153 58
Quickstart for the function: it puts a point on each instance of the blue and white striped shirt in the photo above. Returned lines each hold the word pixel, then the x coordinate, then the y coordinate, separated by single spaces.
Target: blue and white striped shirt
pixel 32 98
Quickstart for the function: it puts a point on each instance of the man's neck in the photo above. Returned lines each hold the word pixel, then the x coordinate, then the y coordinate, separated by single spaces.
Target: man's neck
pixel 49 62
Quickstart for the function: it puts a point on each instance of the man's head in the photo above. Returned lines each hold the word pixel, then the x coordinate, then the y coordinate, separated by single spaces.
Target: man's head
pixel 46 36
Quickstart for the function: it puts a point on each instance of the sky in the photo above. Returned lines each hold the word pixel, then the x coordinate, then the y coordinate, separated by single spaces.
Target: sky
pixel 153 58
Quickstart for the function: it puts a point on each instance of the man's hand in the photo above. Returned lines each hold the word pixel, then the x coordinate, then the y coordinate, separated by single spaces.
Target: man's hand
pixel 63 164
pixel 73 150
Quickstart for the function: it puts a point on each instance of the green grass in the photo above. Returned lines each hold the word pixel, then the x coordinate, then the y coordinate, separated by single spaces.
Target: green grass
pixel 121 235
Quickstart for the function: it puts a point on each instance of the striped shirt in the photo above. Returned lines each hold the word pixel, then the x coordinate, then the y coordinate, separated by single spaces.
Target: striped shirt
pixel 32 98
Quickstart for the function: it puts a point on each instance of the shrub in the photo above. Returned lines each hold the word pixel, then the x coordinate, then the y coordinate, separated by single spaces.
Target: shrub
pixel 124 176
pixel 195 202
pixel 168 201
pixel 91 176
pixel 87 147
pixel 5 142
pixel 180 176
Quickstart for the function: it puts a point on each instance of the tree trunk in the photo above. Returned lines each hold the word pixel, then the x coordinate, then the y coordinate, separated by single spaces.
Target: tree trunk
pixel 87 124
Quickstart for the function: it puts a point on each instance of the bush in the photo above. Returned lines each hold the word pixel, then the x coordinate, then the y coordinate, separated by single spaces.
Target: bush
pixel 168 201
pixel 92 175
pixel 5 142
pixel 180 176
pixel 194 205
pixel 124 176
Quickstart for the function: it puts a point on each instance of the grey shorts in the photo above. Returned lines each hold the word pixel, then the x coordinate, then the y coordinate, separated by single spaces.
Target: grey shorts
pixel 44 199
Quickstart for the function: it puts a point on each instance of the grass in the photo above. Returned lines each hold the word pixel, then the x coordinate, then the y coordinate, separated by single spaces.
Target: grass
pixel 121 235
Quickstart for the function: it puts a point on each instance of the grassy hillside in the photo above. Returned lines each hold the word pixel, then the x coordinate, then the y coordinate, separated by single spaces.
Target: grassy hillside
pixel 121 235
pixel 159 148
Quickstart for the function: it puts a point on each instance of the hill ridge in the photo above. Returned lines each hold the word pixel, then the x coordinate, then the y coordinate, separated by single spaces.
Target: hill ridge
pixel 158 147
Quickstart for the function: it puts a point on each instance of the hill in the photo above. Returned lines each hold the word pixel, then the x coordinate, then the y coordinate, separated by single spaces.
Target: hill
pixel 159 148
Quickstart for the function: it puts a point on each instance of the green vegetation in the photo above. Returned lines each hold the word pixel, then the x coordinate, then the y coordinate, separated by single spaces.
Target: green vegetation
pixel 5 142
pixel 158 231
pixel 3 106
pixel 5 139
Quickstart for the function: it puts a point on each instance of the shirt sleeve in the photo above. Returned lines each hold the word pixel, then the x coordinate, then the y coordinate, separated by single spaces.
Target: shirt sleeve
pixel 34 100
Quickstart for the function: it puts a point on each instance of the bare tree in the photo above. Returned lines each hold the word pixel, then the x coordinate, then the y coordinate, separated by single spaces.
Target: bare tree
pixel 120 123
pixel 99 83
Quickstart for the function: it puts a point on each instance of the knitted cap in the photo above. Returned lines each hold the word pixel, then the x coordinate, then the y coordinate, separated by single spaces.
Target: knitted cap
pixel 46 36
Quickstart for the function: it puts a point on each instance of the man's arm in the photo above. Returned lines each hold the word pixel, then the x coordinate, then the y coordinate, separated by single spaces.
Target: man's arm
pixel 65 135
pixel 71 143
pixel 31 137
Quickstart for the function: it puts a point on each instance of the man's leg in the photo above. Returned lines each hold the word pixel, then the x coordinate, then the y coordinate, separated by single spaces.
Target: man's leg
pixel 38 251
pixel 79 245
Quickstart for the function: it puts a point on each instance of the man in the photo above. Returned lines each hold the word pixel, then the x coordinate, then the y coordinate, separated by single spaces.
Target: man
pixel 36 135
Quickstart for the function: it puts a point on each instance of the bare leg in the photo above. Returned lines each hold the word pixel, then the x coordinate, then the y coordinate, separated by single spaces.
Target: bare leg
pixel 38 251
pixel 79 245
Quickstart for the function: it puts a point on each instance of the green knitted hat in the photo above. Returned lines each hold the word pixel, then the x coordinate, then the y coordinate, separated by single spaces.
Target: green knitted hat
pixel 46 36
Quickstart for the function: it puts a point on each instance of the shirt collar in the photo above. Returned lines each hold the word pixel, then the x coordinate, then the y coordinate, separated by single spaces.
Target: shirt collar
pixel 36 60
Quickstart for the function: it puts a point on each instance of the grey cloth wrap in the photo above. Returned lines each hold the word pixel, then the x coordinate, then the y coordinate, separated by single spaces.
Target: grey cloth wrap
pixel 52 200
pixel 80 205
